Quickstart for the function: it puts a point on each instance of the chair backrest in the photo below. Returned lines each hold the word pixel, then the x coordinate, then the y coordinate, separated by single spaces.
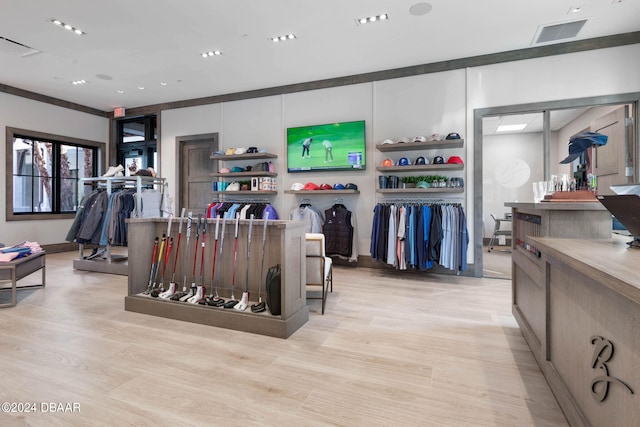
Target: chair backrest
pixel 315 244
pixel 315 258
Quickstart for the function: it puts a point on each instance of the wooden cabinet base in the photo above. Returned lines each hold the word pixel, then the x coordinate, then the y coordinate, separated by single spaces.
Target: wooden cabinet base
pixel 257 323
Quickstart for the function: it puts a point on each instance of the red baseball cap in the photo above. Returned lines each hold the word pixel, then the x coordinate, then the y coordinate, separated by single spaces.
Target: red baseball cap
pixel 311 186
pixel 455 159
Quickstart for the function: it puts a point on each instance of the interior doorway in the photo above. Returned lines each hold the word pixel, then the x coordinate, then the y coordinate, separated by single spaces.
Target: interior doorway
pixel 195 166
pixel 559 121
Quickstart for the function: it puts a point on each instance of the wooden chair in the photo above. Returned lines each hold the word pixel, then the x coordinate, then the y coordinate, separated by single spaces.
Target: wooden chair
pixel 319 266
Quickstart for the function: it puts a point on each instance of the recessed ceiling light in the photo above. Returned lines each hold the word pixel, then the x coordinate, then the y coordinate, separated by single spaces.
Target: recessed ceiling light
pixel 120 91
pixel 574 9
pixel 75 30
pixel 163 83
pixel 374 18
pixel 511 128
pixel 289 36
pixel 210 53
pixel 79 82
pixel 141 87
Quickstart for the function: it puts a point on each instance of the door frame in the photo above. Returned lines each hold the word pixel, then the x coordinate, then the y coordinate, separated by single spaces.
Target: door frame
pixel 544 107
pixel 180 141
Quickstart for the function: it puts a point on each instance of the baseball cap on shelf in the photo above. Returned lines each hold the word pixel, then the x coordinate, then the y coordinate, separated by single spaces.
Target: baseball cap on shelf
pixel 218 153
pixel 234 186
pixel 388 141
pixel 387 162
pixel 224 170
pixel 403 162
pixel 420 139
pixel 421 161
pixel 325 187
pixel 252 150
pixel 581 142
pixel 403 140
pixel 297 186
pixel 455 159
pixel 237 169
pixel 438 160
pixel 230 151
pixel 453 135
pixel 351 186
pixel 422 184
pixel 241 150
pixel 311 186
pixel 338 187
pixel 436 137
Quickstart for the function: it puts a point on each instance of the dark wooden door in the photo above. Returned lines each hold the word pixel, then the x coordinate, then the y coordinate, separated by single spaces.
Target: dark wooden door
pixel 196 165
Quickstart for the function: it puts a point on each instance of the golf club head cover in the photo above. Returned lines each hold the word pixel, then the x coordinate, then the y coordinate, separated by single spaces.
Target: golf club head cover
pixel 272 285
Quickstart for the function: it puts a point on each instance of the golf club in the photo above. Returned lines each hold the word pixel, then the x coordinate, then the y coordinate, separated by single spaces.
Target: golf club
pixel 178 295
pixel 192 290
pixel 199 293
pixel 172 284
pixel 244 301
pixel 233 301
pixel 216 301
pixel 261 306
pixel 157 290
pixel 166 256
pixel 153 266
pixel 163 242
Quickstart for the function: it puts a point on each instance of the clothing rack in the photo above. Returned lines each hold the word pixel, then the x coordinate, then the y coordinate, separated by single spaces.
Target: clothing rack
pixel 244 200
pixel 115 264
pixel 421 201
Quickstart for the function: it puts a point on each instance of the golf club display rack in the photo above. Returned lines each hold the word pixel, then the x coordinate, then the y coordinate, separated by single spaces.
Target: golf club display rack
pixel 284 245
pixel 103 261
pixel 434 168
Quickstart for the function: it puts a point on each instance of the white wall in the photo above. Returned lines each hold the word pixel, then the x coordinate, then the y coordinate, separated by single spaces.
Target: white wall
pixel 511 164
pixel 441 102
pixel 24 113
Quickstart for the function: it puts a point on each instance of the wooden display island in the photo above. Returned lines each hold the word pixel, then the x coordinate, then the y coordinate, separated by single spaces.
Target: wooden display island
pixel 285 245
pixel 585 328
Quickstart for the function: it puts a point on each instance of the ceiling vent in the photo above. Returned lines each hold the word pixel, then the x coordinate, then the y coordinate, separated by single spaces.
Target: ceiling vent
pixel 558 32
pixel 15 48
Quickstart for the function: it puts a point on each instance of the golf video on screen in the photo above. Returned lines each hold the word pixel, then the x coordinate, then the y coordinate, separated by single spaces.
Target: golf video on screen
pixel 328 147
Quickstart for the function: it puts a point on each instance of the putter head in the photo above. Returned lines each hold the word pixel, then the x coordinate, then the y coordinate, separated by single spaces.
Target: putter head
pixel 215 302
pixel 155 293
pixel 258 308
pixel 231 303
pixel 177 296
pixel 240 306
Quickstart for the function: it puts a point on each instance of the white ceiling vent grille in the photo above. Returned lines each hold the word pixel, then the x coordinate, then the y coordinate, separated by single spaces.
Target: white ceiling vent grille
pixel 557 32
pixel 15 48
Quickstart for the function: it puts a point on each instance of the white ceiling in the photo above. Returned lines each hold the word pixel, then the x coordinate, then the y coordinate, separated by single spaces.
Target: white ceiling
pixel 146 42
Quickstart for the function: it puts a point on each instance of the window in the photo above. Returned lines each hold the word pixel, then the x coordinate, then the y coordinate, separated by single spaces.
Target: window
pixel 137 143
pixel 46 172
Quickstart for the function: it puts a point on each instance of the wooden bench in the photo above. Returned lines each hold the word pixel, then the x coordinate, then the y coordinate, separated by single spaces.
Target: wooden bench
pixel 19 269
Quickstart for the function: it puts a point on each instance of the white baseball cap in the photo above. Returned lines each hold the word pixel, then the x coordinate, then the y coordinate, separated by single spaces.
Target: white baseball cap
pixel 297 186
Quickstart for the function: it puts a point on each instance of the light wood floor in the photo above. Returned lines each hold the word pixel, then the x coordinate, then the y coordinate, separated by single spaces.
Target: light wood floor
pixel 391 350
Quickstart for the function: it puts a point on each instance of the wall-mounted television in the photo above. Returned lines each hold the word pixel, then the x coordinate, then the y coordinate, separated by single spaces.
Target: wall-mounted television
pixel 328 147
